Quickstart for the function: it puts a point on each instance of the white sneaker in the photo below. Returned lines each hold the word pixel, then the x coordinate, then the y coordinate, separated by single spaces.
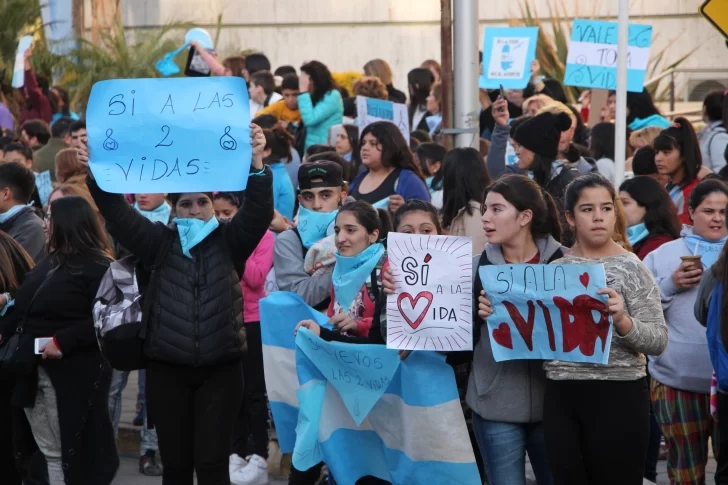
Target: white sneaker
pixel 236 463
pixel 256 473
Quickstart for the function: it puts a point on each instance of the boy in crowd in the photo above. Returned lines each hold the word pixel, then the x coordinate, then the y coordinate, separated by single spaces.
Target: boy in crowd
pixel 45 158
pixel 77 133
pixel 321 187
pixel 262 91
pixel 22 155
pixel 35 134
pixel 16 218
pixel 286 109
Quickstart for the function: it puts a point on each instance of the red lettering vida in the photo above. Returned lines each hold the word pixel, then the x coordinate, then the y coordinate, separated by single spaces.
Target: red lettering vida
pixel 525 328
pixel 583 331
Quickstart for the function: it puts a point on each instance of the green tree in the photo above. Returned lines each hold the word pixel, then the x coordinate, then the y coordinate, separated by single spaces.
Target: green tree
pixel 121 55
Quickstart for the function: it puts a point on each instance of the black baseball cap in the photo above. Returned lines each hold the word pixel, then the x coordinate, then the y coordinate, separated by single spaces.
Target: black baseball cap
pixel 330 173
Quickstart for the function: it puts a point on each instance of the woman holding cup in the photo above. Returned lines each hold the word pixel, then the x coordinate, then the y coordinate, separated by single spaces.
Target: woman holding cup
pixel 681 376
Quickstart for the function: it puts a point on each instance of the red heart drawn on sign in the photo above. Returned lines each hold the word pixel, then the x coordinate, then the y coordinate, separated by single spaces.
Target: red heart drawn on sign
pixel 414 322
pixel 502 335
pixel 584 279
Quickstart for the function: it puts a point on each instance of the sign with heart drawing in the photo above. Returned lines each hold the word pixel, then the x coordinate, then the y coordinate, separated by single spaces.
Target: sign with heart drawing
pixel 432 308
pixel 547 311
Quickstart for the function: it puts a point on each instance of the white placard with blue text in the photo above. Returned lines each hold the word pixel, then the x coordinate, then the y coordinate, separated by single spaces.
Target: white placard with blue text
pixel 592 58
pixel 507 56
pixel 170 135
pixel 370 110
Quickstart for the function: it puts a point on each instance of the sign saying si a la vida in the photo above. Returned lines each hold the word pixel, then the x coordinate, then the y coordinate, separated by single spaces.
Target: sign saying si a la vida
pixel 547 311
pixel 169 135
pixel 432 308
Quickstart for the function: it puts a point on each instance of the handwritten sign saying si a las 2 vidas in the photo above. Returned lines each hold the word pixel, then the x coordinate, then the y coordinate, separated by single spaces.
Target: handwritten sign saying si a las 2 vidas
pixel 170 135
pixel 548 311
pixel 592 58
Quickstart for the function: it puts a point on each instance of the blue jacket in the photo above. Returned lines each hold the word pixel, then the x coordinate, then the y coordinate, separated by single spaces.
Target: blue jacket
pixel 284 197
pixel 409 185
pixel 718 354
pixel 329 111
pixel 708 312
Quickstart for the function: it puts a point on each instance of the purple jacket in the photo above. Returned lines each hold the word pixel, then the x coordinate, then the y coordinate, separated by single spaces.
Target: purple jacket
pixel 409 185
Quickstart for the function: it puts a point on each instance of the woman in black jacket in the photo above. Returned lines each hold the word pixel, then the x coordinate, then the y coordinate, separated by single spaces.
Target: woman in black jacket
pixel 193 343
pixel 15 263
pixel 65 393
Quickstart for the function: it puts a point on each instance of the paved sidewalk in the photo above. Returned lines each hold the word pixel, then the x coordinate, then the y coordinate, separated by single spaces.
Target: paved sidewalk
pixel 129 474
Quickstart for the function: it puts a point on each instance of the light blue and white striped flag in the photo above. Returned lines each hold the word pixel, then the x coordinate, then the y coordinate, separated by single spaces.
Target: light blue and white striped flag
pixel 365 413
pixel 280 312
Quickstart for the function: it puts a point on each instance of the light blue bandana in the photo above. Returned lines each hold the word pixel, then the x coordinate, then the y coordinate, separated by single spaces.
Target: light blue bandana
pixel 709 250
pixel 11 212
pixel 313 226
pixel 160 214
pixel 193 231
pixel 637 233
pixel 351 272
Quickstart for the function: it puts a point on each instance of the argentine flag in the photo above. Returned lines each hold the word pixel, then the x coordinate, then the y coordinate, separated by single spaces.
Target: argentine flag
pixel 280 312
pixel 359 409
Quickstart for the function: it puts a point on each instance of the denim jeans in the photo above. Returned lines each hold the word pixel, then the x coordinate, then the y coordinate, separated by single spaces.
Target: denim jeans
pixel 118 383
pixel 504 447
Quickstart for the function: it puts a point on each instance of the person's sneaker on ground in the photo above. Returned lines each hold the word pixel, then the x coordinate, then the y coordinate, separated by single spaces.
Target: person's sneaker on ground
pixel 148 465
pixel 256 473
pixel 236 463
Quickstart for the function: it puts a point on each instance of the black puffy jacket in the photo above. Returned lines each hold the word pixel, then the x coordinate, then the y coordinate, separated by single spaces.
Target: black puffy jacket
pixel 197 309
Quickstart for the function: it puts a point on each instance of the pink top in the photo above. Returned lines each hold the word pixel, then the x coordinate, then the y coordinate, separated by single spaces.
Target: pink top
pixel 253 282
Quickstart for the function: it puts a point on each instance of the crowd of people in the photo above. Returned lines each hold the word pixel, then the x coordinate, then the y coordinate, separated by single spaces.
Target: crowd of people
pixel 322 195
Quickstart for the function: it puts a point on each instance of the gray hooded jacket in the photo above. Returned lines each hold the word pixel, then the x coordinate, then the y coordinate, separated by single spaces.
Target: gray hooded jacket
pixel 510 391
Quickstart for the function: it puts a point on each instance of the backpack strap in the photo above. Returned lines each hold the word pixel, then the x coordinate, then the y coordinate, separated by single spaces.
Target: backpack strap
pixel 718 130
pixel 154 281
pixel 304 249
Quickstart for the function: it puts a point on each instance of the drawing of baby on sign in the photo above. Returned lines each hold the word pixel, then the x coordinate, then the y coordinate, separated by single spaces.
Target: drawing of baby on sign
pixel 432 307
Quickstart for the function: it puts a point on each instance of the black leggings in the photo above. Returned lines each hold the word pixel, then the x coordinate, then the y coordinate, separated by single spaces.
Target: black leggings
pixel 308 477
pixel 597 431
pixel 192 408
pixel 721 471
pixel 8 466
pixel 250 436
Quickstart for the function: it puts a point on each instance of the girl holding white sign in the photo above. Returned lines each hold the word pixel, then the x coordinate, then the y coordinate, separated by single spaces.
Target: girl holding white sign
pixel 596 417
pixel 521 225
pixel 360 257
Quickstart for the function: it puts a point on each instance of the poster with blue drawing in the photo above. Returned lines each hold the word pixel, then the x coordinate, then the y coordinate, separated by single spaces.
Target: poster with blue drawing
pixel 370 110
pixel 169 135
pixel 507 56
pixel 592 58
pixel 548 311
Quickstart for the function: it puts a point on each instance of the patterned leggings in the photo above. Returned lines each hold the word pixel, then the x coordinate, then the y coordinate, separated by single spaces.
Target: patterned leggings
pixel 686 422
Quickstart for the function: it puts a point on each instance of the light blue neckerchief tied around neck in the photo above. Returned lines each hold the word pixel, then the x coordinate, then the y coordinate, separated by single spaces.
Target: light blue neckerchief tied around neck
pixel 160 214
pixel 351 272
pixel 708 250
pixel 314 226
pixel 193 231
pixel 4 217
pixel 637 233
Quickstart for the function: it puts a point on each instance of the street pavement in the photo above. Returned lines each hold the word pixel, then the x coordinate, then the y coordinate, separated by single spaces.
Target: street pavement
pixel 129 474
